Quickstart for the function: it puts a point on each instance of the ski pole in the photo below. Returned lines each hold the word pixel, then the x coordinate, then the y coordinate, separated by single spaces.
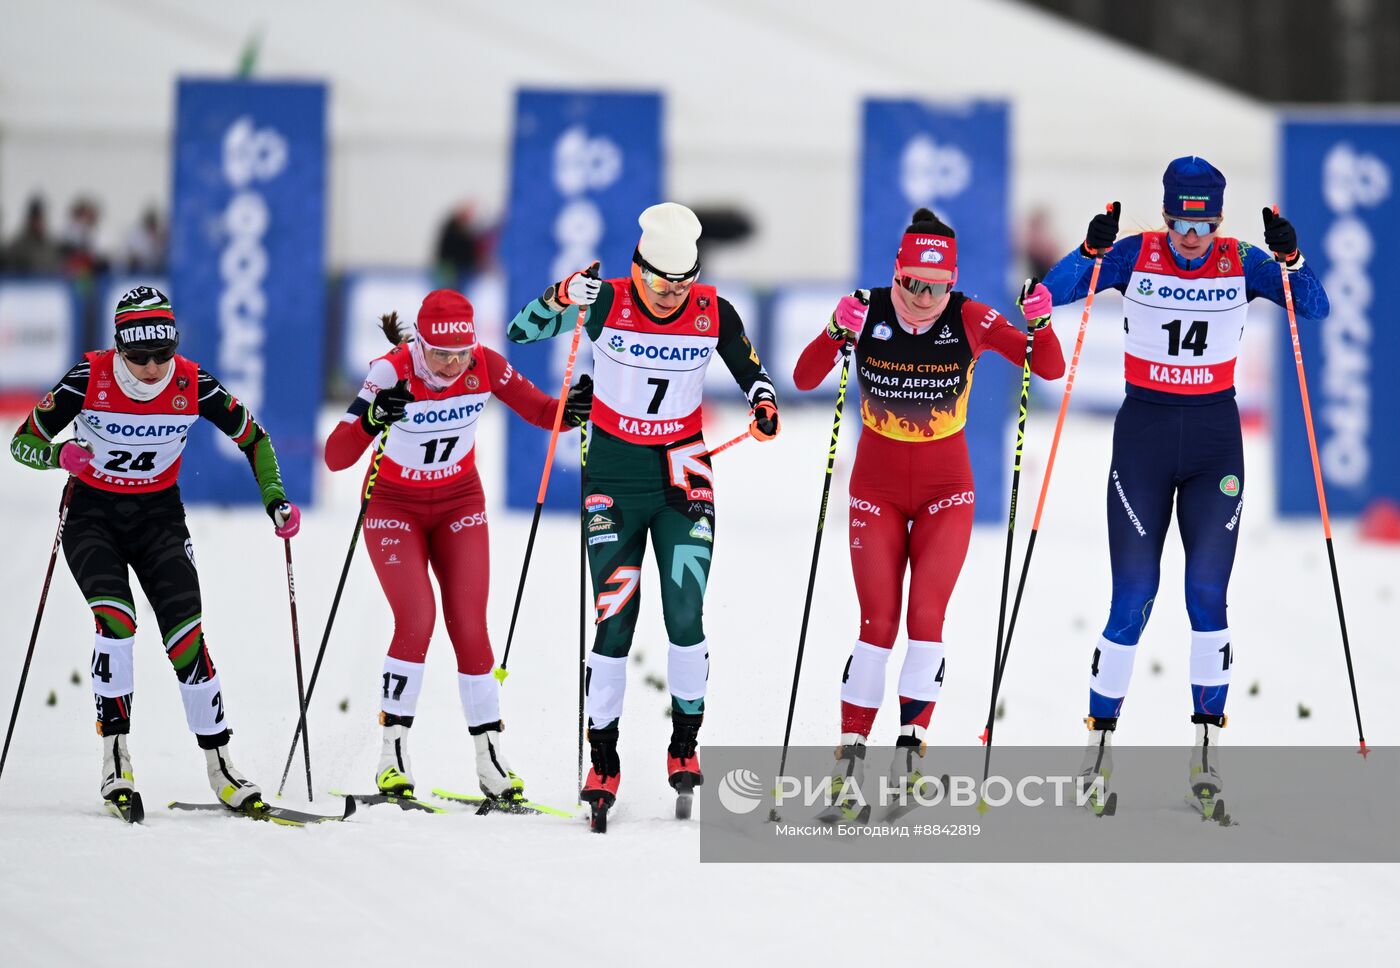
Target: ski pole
pixel 296 652
pixel 1321 491
pixel 1010 528
pixel 816 553
pixel 501 671
pixel 1049 466
pixel 582 591
pixel 38 618
pixel 335 606
pixel 730 443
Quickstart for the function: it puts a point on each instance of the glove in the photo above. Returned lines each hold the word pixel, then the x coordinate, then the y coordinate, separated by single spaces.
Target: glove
pixel 848 319
pixel 1035 304
pixel 74 456
pixel 579 402
pixel 764 425
pixel 579 289
pixel 1282 239
pixel 286 516
pixel 388 408
pixel 1103 232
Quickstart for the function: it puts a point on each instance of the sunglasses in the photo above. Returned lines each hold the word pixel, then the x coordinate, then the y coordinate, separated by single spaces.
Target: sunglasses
pixel 142 357
pixel 918 287
pixel 1202 228
pixel 444 357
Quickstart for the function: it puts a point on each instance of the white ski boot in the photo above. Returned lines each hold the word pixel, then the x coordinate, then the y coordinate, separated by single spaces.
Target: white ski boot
pixel 1207 787
pixel 848 803
pixel 117 778
pixel 233 789
pixel 498 781
pixel 395 773
pixel 1094 773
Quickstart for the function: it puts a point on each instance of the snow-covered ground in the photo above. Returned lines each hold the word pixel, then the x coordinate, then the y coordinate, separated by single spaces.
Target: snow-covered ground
pixel 78 887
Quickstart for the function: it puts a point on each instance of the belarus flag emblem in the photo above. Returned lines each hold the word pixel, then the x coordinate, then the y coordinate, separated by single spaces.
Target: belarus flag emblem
pixel 1193 204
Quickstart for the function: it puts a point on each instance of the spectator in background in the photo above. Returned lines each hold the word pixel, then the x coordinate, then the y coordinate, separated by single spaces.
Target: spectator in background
pixel 1039 247
pixel 32 251
pixel 463 248
pixel 78 244
pixel 144 249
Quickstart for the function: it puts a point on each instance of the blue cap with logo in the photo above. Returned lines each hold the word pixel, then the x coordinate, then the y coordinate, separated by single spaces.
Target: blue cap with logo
pixel 1193 188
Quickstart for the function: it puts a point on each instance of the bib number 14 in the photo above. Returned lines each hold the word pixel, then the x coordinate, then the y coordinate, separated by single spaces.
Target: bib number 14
pixel 1195 339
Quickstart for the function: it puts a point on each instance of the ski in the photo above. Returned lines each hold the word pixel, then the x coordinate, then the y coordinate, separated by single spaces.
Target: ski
pixel 260 810
pixel 685 796
pixel 404 801
pixel 126 807
pixel 485 805
pixel 900 809
pixel 1211 808
pixel 598 814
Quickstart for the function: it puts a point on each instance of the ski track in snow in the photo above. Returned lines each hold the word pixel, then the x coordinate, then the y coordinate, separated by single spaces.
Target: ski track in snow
pixel 390 885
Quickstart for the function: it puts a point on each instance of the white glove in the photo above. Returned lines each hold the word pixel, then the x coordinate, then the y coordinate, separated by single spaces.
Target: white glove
pixel 580 289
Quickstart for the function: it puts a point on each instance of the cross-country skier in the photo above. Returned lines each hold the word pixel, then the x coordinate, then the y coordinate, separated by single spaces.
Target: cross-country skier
pixel 654 333
pixel 134 406
pixel 428 508
pixel 1186 292
pixel 916 344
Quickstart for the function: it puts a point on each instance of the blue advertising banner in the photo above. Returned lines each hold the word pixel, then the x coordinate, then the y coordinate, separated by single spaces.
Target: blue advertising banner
pixel 953 159
pixel 583 166
pixel 247 270
pixel 1339 190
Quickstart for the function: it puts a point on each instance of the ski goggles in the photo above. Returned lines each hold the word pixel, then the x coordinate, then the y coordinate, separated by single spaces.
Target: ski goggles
pixel 142 357
pixel 665 283
pixel 918 287
pixel 1201 227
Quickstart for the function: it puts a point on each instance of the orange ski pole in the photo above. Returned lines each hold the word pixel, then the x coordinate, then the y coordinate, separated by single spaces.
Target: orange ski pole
pixel 500 673
pixel 1321 490
pixel 1049 467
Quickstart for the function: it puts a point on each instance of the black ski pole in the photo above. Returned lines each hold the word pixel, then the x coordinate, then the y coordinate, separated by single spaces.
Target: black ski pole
pixel 816 553
pixel 1010 529
pixel 335 606
pixel 38 618
pixel 582 591
pixel 296 652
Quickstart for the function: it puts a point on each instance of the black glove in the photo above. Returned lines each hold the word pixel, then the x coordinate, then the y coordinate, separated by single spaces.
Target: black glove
pixel 579 402
pixel 1103 232
pixel 1281 238
pixel 388 408
pixel 764 425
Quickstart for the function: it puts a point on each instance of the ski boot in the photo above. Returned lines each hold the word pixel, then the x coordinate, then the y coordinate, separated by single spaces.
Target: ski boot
pixel 912 786
pixel 394 775
pixel 1204 777
pixel 1092 783
pixel 233 789
pixel 498 781
pixel 600 789
pixel 118 784
pixel 847 799
pixel 683 762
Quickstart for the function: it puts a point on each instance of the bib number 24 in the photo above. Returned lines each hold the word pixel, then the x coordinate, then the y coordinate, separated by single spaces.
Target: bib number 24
pixel 125 460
